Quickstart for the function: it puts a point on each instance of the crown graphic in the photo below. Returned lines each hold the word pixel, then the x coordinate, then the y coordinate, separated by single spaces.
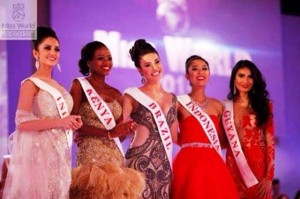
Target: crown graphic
pixel 18 6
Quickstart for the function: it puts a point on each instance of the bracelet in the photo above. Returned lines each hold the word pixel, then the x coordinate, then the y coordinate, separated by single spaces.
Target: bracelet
pixel 109 136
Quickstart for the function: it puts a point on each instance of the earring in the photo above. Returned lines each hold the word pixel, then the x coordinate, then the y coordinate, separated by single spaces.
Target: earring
pixel 234 90
pixel 143 81
pixel 58 67
pixel 37 64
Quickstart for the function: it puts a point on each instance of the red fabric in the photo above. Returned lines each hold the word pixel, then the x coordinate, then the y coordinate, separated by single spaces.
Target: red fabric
pixel 200 172
pixel 259 154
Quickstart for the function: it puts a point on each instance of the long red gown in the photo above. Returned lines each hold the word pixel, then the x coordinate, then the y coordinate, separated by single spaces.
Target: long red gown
pixel 259 156
pixel 200 172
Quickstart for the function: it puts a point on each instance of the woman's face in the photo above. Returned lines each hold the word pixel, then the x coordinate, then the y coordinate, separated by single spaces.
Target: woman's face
pixel 151 68
pixel 243 80
pixel 198 73
pixel 101 63
pixel 48 52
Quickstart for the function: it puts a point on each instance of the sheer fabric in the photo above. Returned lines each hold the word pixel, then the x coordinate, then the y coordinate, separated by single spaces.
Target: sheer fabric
pixel 151 158
pixel 259 155
pixel 40 165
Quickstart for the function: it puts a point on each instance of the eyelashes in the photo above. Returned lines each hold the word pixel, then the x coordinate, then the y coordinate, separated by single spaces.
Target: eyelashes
pixel 56 49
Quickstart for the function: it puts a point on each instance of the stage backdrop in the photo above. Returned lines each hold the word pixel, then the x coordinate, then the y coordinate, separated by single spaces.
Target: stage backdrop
pixel 223 32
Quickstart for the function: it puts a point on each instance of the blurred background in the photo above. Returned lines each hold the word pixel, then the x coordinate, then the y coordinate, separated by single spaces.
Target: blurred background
pixel 223 32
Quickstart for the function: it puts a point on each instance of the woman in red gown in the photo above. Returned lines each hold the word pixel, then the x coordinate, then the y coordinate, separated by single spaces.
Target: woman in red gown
pixel 253 121
pixel 199 170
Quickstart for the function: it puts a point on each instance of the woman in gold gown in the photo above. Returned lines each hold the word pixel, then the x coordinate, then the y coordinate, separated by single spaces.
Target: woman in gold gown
pixel 100 171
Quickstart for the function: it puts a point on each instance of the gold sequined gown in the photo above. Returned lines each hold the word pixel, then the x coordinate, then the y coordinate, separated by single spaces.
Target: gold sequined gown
pixel 100 171
pixel 40 165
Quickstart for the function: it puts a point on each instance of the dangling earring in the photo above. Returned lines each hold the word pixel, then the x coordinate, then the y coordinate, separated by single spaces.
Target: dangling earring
pixel 58 67
pixel 37 64
pixel 234 90
pixel 143 81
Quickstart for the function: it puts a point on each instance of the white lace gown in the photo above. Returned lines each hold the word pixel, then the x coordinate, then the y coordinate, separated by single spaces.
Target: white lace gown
pixel 40 165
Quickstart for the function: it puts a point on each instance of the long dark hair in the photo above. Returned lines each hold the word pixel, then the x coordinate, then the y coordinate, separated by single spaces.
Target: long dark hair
pixel 258 95
pixel 139 49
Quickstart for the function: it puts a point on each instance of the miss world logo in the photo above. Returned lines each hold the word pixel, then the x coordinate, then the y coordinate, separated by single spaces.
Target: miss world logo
pixel 18 13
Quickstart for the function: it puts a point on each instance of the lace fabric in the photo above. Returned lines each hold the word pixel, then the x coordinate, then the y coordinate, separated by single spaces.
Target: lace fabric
pixel 258 147
pixel 151 158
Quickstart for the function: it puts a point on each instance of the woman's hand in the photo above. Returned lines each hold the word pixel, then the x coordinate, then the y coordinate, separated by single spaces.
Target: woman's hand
pixel 264 188
pixel 123 128
pixel 77 138
pixel 73 122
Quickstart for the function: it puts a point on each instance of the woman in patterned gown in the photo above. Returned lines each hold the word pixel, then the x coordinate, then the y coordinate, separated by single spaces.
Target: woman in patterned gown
pixel 199 169
pixel 100 171
pixel 40 164
pixel 252 110
pixel 147 151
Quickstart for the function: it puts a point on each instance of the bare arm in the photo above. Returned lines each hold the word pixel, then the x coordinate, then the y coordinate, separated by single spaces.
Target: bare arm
pixel 77 94
pixel 127 107
pixel 175 131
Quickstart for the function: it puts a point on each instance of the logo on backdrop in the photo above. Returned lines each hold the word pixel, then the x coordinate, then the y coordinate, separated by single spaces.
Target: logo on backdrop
pixel 18 20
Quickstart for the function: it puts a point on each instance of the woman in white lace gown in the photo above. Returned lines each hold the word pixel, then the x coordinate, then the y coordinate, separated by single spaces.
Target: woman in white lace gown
pixel 40 165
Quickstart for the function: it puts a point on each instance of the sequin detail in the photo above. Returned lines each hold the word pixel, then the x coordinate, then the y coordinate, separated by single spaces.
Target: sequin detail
pixel 40 161
pixel 95 149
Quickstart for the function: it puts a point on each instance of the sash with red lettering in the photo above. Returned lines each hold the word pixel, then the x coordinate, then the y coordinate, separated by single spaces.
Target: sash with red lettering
pixel 205 121
pixel 158 115
pixel 100 108
pixel 59 101
pixel 235 145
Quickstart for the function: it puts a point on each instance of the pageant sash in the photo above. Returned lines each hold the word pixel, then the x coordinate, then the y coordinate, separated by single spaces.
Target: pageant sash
pixel 235 145
pixel 100 108
pixel 205 121
pixel 158 115
pixel 59 101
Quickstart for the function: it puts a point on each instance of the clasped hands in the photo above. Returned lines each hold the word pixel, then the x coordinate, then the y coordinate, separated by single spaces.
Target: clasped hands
pixel 73 122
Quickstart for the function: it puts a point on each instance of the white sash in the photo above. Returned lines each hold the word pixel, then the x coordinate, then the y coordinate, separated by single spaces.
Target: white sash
pixel 205 121
pixel 59 101
pixel 100 108
pixel 235 145
pixel 158 115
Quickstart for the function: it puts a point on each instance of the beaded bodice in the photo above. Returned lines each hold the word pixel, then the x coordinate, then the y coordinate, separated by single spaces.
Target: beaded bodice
pixel 95 149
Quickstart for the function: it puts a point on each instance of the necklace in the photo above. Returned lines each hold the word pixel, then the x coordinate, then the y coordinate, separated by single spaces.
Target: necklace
pixel 204 105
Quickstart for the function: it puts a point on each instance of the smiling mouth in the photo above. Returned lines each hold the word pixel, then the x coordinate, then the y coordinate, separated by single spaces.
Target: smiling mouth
pixel 246 87
pixel 52 59
pixel 200 78
pixel 156 73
